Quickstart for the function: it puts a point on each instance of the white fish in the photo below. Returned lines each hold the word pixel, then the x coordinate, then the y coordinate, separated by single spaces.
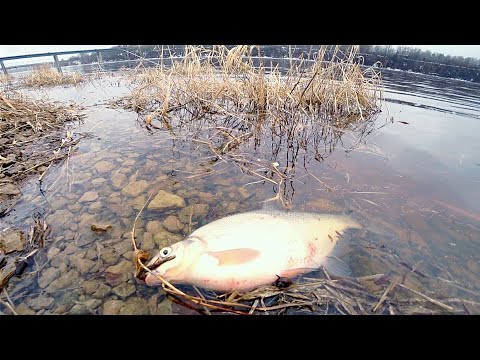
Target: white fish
pixel 247 250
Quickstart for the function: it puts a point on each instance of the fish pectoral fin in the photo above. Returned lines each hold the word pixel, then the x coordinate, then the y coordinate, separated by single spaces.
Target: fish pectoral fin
pixel 291 273
pixel 235 256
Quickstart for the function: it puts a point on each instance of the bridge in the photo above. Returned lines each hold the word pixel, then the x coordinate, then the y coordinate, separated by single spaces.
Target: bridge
pixel 55 56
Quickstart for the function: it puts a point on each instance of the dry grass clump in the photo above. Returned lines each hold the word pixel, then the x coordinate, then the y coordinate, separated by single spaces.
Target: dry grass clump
pixel 5 79
pixel 30 134
pixel 228 82
pixel 45 75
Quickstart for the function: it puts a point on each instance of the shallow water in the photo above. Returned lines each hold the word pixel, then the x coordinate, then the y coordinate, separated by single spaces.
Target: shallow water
pixel 414 186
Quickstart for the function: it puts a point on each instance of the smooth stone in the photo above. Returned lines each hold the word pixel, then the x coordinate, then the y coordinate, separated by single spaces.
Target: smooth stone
pixel 52 252
pixel 92 303
pixel 198 211
pixel 104 166
pixel 123 247
pixel 79 309
pixel 119 273
pixel 64 281
pixel 134 306
pixel 124 290
pixel 114 199
pixel 112 307
pixel 164 200
pixel 83 265
pixel 84 239
pixel 60 217
pixel 98 182
pixel 128 255
pixel 102 292
pixel 90 286
pixel 76 208
pixel 206 197
pixel 23 309
pixel 119 181
pixel 109 255
pixel 230 208
pixel 135 188
pixel 164 308
pixel 47 276
pixel 41 303
pixel 165 238
pixel 129 162
pixel 12 240
pixel 97 205
pixel 138 202
pixel 154 226
pixel 148 243
pixel 60 259
pixel 71 249
pixel 173 224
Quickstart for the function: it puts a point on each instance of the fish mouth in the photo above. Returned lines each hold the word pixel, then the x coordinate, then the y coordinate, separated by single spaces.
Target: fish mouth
pixel 152 265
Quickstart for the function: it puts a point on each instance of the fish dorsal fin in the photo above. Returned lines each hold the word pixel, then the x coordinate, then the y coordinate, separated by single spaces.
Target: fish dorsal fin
pixel 234 256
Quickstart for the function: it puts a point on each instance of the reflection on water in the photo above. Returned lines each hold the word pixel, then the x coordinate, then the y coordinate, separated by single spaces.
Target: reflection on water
pixel 412 185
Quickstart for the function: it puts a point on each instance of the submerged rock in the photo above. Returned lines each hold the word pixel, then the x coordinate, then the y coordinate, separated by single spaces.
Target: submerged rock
pixel 104 166
pixel 134 306
pixel 165 201
pixel 83 265
pixel 98 182
pixel 198 211
pixel 71 277
pixel 60 217
pixel 129 162
pixel 163 308
pixel 124 290
pixel 79 309
pixel 109 255
pixel 120 273
pixel 12 240
pixel 112 307
pixel 102 292
pixel 135 188
pixel 148 242
pixel 138 202
pixel 23 309
pixel 41 303
pixel 154 226
pixel 89 196
pixel 173 224
pixel 165 238
pixel 119 181
pixel 47 276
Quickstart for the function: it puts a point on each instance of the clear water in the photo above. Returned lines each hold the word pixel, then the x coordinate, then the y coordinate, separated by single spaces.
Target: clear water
pixel 414 186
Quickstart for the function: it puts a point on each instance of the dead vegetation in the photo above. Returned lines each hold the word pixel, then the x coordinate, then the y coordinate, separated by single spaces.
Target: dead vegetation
pixel 5 79
pixel 17 251
pixel 229 98
pixel 45 75
pixel 31 140
pixel 230 83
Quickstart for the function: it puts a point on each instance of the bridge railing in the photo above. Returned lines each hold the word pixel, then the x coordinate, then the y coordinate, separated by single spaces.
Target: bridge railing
pixel 55 56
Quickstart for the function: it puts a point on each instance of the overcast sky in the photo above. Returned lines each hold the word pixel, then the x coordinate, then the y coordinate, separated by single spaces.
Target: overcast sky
pixel 11 50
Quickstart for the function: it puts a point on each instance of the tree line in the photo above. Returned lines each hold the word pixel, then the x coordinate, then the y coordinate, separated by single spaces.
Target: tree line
pixel 386 56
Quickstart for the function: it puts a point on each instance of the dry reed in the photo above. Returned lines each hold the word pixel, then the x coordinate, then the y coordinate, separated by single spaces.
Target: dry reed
pixel 45 75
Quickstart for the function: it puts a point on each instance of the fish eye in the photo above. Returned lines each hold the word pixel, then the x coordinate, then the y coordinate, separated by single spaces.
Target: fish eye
pixel 165 252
